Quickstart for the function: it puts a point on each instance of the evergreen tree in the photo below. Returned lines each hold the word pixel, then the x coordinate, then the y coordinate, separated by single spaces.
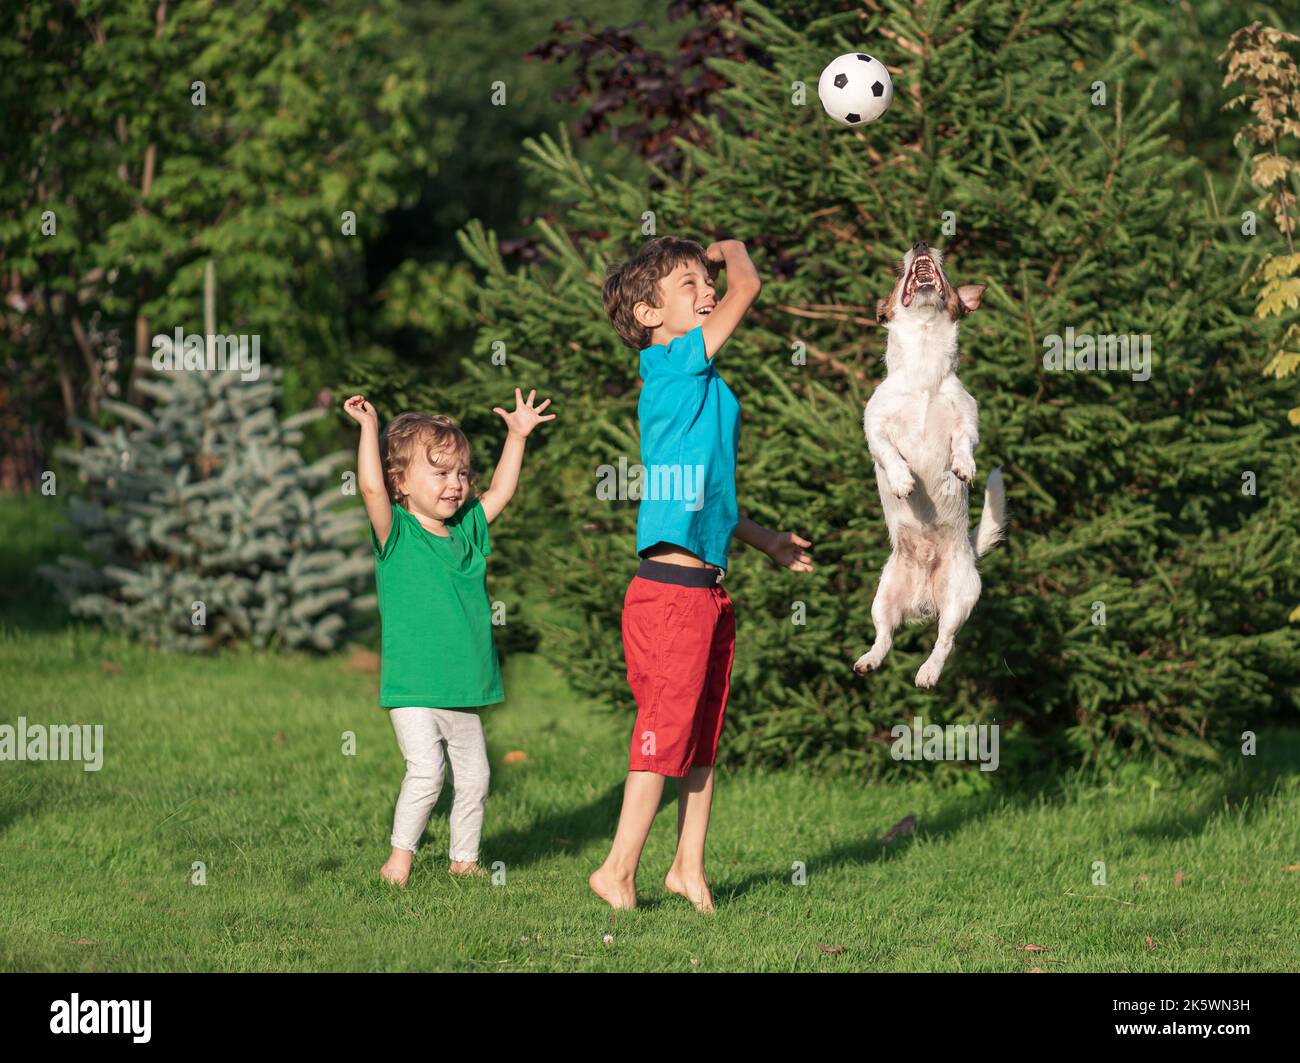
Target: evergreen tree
pixel 204 527
pixel 1141 602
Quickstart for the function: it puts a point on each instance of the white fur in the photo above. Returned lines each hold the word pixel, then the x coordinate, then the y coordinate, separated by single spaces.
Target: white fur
pixel 922 428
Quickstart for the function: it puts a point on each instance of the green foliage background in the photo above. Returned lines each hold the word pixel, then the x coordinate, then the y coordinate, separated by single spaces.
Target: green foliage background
pixel 1123 218
pixel 1123 492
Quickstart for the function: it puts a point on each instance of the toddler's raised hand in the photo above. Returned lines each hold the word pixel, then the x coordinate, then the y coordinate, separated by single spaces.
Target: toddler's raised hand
pixel 525 417
pixel 361 411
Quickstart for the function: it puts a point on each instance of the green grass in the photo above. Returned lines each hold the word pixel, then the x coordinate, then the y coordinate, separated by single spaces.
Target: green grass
pixel 237 762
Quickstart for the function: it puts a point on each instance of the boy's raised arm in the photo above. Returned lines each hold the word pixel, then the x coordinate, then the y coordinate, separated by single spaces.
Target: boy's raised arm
pixel 743 286
pixel 370 473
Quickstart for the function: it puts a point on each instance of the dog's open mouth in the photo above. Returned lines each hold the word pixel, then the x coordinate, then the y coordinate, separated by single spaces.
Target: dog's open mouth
pixel 922 275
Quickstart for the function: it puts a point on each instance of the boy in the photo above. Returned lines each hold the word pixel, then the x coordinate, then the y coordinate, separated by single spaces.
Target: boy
pixel 678 623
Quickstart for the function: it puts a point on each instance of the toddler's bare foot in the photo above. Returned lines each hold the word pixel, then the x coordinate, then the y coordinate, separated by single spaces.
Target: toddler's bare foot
pixel 466 867
pixel 618 891
pixel 694 889
pixel 397 869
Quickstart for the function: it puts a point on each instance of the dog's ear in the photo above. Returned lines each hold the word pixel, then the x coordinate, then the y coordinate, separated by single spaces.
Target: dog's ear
pixel 971 295
pixel 882 311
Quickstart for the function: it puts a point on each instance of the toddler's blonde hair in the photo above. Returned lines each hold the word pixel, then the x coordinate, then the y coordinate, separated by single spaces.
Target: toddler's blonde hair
pixel 405 433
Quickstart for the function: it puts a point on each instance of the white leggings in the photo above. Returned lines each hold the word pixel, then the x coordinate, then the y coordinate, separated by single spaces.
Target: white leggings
pixel 421 733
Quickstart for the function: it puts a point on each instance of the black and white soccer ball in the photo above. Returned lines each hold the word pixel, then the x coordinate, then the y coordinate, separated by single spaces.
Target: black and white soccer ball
pixel 855 89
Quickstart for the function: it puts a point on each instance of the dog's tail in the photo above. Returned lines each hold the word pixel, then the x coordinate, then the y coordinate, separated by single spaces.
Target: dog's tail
pixel 993 521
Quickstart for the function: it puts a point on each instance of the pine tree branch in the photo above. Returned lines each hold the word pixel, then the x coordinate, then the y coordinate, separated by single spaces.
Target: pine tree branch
pixel 812 313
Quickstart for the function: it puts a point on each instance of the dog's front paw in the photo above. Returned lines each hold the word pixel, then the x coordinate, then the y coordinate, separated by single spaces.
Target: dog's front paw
pixel 928 675
pixel 868 662
pixel 901 482
pixel 963 467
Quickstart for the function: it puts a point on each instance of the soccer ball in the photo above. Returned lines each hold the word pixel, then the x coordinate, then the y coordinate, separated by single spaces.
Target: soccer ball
pixel 855 89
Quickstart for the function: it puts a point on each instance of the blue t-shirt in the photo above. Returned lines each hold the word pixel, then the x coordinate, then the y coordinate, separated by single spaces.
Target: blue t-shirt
pixel 690 431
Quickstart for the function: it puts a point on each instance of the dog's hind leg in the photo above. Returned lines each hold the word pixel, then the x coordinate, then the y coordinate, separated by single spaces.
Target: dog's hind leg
pixel 957 590
pixel 887 612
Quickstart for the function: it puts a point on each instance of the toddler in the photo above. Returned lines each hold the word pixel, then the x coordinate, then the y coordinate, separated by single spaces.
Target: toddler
pixel 438 660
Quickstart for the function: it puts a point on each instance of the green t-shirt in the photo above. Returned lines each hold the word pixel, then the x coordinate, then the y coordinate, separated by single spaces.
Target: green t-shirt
pixel 436 638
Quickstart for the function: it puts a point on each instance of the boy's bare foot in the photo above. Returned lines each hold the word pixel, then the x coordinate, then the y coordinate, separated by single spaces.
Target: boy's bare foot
pixel 695 890
pixel 397 869
pixel 466 867
pixel 618 891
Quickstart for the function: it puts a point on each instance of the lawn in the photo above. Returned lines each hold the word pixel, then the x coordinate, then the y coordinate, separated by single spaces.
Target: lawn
pixel 238 762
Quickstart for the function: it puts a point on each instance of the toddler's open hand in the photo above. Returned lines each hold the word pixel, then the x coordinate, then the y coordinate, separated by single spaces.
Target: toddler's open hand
pixel 787 551
pixel 525 416
pixel 361 411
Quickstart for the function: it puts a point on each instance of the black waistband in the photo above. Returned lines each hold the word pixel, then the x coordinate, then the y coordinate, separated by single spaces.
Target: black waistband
pixel 681 575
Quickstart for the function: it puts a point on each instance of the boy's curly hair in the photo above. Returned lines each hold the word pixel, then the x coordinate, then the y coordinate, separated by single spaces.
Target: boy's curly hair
pixel 405 433
pixel 637 281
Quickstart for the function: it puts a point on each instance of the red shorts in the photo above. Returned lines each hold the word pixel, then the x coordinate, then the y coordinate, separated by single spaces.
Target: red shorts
pixel 679 643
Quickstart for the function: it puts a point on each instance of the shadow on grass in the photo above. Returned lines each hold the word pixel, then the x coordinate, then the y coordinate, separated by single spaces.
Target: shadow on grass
pixel 569 830
pixel 956 815
pixel 31 529
pixel 22 794
pixel 1238 789
pixel 1243 787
